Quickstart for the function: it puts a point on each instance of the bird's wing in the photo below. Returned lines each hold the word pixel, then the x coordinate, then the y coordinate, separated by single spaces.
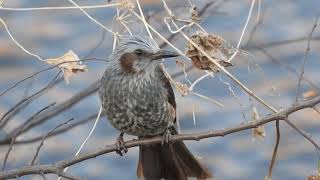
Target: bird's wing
pixel 170 93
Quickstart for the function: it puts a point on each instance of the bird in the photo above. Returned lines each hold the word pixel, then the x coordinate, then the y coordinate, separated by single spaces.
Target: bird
pixel 138 100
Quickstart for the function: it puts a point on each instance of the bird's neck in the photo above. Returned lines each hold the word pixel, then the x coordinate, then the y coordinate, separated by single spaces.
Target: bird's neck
pixel 145 77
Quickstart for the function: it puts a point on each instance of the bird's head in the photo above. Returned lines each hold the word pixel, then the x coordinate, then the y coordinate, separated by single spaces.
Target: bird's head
pixel 138 54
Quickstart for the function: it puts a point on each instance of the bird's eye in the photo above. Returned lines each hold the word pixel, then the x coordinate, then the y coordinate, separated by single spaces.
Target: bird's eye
pixel 138 52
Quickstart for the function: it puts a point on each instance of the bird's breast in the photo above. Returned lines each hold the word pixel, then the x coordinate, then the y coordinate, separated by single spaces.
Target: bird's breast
pixel 135 105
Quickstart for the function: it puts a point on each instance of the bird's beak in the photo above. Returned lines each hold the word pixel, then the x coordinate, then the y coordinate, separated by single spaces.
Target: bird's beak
pixel 163 54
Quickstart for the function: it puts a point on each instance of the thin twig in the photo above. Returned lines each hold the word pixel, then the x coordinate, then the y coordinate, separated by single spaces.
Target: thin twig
pixel 91 18
pixel 246 24
pixel 43 176
pixel 317 110
pixel 305 58
pixel 57 131
pixel 16 133
pixel 17 43
pixel 44 138
pixel 305 135
pixel 62 106
pixel 5 118
pixel 275 150
pixel 287 67
pixel 46 69
pixel 60 7
pixel 87 138
pixel 280 43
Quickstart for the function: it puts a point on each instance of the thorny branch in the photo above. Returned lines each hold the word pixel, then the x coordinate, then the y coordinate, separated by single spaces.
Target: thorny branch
pixel 58 166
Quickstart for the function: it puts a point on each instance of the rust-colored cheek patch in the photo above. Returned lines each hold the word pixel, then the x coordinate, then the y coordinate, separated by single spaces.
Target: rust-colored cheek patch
pixel 126 62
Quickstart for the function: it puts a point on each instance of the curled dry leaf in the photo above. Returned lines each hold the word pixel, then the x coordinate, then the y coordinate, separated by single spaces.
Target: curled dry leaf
pixel 212 44
pixel 182 88
pixel 258 132
pixel 69 64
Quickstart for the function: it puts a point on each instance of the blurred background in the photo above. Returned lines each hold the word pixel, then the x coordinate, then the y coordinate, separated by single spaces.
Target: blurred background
pixel 275 51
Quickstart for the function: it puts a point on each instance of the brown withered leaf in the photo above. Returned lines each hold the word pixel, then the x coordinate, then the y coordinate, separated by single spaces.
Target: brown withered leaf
pixel 258 132
pixel 69 64
pixel 212 44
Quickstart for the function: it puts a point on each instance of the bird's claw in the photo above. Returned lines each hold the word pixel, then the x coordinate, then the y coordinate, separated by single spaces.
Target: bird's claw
pixel 121 147
pixel 167 137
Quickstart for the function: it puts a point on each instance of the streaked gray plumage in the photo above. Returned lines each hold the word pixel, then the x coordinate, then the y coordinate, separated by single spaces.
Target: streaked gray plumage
pixel 138 100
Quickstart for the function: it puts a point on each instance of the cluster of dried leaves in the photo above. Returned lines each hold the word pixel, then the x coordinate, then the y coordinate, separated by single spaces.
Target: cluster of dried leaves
pixel 212 44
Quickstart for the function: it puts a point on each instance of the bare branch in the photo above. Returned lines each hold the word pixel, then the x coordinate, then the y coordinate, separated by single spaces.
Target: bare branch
pixel 287 67
pixel 63 106
pixel 254 46
pixel 305 135
pixel 15 134
pixel 275 150
pixel 305 57
pixel 44 138
pixel 59 131
pixel 46 69
pixel 24 102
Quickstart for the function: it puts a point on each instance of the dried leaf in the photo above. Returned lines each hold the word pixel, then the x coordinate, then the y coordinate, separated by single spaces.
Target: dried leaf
pixel 127 4
pixel 182 88
pixel 310 94
pixel 69 64
pixel 258 132
pixel 212 44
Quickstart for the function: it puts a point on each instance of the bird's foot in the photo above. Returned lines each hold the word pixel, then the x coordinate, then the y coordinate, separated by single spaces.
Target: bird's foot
pixel 167 137
pixel 121 147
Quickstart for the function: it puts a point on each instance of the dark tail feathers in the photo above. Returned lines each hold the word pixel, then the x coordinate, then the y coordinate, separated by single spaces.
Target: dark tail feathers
pixel 171 162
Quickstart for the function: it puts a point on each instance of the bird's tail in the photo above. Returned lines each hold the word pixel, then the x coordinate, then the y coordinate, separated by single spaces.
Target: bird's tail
pixel 171 162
